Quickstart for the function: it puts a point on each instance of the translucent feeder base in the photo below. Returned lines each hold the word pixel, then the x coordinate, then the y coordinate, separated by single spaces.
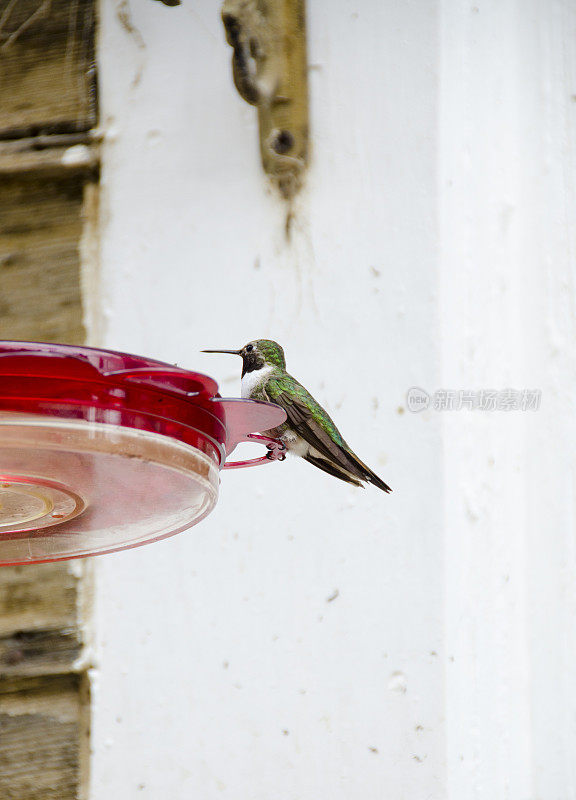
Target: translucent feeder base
pixel 73 488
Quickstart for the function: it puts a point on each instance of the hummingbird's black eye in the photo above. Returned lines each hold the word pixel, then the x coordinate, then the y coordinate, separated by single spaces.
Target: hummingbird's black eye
pixel 249 348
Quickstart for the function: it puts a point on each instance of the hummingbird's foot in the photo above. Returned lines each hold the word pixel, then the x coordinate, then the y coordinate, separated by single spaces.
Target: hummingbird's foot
pixel 276 451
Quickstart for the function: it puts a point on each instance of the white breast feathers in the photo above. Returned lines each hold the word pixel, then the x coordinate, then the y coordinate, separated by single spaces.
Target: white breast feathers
pixel 253 379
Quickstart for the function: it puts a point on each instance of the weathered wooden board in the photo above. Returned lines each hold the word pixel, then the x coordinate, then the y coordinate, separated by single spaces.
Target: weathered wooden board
pixel 47 156
pixel 38 597
pixel 44 739
pixel 40 230
pixel 44 711
pixel 47 81
pixel 41 620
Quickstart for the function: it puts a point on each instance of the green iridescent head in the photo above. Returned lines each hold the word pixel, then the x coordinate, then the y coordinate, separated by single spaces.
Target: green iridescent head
pixel 257 354
pixel 266 352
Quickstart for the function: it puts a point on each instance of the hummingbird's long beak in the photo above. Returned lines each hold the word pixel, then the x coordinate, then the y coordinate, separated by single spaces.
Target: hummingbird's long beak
pixel 232 352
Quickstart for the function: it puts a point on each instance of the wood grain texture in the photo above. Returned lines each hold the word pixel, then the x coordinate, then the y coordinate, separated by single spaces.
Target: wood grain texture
pixel 48 158
pixel 45 156
pixel 41 620
pixel 44 739
pixel 47 81
pixel 40 230
pixel 37 597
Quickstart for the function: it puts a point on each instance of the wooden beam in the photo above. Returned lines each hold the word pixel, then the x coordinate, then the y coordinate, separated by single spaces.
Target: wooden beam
pixel 47 75
pixel 270 70
pixel 44 729
pixel 40 230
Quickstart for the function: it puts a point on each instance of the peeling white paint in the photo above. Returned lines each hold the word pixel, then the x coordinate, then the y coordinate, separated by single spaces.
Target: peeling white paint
pixel 78 154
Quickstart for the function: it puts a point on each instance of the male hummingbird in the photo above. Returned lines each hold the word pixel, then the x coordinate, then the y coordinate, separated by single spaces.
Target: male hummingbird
pixel 308 432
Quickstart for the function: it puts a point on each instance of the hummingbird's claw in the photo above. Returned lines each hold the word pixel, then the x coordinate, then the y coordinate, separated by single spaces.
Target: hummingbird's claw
pixel 276 450
pixel 276 456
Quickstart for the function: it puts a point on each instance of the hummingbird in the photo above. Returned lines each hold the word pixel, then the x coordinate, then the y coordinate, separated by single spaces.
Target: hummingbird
pixel 308 432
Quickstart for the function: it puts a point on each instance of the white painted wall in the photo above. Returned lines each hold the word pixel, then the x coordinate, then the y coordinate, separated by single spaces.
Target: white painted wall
pixel 433 246
pixel 508 212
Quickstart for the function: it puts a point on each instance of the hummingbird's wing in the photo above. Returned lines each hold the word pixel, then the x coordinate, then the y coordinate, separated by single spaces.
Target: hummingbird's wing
pixel 309 420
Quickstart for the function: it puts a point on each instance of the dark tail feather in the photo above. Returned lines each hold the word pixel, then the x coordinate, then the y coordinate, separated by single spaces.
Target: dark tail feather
pixel 374 479
pixel 332 469
pixel 366 474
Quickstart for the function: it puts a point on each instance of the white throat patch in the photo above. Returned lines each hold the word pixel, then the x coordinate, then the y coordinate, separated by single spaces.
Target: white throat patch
pixel 253 379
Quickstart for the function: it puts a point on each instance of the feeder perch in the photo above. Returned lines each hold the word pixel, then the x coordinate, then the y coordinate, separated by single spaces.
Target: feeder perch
pixel 101 451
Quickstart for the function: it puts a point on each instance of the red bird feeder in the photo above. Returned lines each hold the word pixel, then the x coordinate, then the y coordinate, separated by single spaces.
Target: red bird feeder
pixel 101 451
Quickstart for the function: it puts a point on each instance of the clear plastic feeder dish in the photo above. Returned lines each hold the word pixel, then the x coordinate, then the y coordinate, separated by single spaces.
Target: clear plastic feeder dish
pixel 101 451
